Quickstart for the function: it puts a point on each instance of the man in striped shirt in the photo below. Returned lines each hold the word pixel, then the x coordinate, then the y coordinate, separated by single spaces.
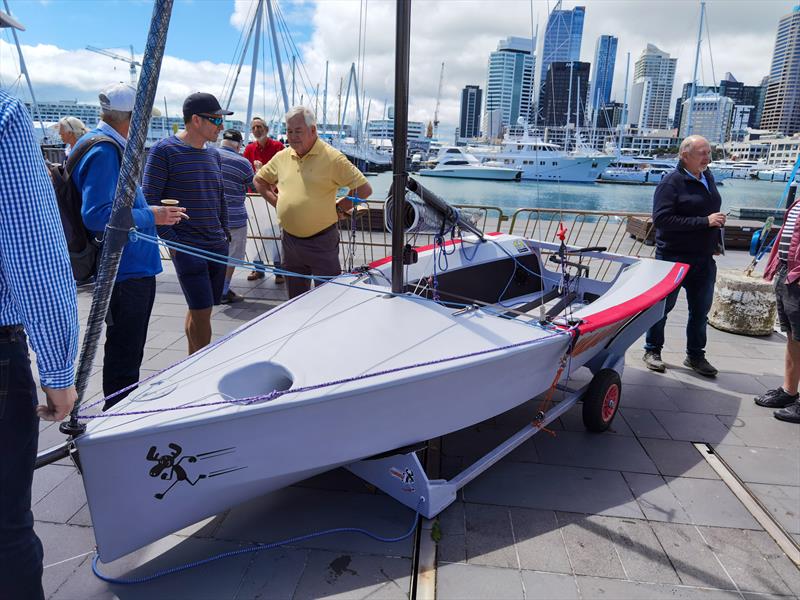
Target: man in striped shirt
pixel 181 167
pixel 237 174
pixel 783 267
pixel 37 298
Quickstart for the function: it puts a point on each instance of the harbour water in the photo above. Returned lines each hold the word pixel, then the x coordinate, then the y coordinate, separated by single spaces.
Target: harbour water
pixel 510 195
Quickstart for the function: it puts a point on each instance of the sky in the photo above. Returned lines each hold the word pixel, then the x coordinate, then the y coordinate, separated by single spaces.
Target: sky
pixel 205 39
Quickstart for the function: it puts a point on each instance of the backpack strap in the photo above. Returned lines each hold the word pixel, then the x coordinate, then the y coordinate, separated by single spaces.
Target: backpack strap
pixel 78 153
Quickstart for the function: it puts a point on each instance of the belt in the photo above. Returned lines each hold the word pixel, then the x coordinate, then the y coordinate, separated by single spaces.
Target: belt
pixel 10 333
pixel 311 237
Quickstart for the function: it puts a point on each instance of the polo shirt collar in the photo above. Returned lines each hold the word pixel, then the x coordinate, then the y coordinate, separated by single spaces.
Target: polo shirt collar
pixel 315 149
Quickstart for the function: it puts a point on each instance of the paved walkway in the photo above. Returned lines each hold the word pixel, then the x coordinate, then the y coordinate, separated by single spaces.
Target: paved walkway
pixel 633 513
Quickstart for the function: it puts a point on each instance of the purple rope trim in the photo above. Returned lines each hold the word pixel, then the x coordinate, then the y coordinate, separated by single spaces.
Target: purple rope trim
pixel 278 393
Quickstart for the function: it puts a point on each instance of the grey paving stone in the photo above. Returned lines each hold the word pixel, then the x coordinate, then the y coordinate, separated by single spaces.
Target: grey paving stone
pixel 162 339
pixel 745 564
pixel 474 442
pixel 656 499
pixel 467 582
pixel 66 547
pixel 643 423
pixel 711 502
pixel 549 586
pixel 489 536
pixel 677 458
pixel 646 396
pixel 539 542
pixel 63 501
pixel 785 568
pixel 763 431
pixel 762 465
pixel 164 359
pixel 452 548
pixel 273 574
pixel 708 401
pixel 452 520
pixel 589 545
pixel 782 501
pixel 571 489
pixel 694 561
pixel 638 374
pixel 640 552
pixel 340 575
pixel 48 478
pixel 166 309
pixel 693 427
pixel 595 587
pixel 296 511
pixel 614 452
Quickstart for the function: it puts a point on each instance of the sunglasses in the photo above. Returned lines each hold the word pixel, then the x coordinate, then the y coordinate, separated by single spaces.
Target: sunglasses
pixel 213 120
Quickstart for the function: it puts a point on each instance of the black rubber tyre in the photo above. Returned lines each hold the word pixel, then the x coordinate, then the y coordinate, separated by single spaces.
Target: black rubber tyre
pixel 601 400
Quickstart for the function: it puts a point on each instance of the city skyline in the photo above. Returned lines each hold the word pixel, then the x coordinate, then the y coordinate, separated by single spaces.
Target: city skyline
pixel 742 38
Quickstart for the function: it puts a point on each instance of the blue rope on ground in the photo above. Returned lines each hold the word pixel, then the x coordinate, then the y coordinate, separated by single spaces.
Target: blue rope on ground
pixel 255 548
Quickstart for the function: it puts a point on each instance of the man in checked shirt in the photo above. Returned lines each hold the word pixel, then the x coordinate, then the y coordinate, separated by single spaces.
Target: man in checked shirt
pixel 37 298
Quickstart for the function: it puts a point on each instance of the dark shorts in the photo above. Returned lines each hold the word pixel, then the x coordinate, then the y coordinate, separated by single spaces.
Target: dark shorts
pixel 201 280
pixel 788 298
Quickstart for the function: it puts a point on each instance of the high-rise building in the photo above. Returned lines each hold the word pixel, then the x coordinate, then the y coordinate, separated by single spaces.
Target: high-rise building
pixel 711 117
pixel 509 80
pixel 562 38
pixel 605 55
pixel 470 121
pixel 782 102
pixel 609 115
pixel 651 95
pixel 685 95
pixel 564 95
pixel 744 95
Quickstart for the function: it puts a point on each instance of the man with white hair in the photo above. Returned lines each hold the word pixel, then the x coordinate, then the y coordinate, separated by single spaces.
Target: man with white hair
pixel 688 222
pixel 308 175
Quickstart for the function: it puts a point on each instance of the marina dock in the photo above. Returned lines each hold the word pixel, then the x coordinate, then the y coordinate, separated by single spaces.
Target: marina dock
pixel 637 512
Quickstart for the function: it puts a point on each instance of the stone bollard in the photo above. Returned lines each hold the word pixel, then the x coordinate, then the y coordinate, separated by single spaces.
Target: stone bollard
pixel 743 304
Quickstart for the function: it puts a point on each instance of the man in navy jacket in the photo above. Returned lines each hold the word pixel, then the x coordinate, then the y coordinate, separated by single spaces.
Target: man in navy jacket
pixel 95 176
pixel 688 222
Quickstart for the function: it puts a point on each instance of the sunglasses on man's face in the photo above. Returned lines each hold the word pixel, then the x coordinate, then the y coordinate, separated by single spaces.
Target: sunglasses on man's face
pixel 213 120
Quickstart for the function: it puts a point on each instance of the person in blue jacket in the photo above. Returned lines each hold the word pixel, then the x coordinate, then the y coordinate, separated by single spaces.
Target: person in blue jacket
pixel 688 222
pixel 95 177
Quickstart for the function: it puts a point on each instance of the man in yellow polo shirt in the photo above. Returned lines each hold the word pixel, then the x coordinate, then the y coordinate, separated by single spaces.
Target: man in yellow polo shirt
pixel 308 174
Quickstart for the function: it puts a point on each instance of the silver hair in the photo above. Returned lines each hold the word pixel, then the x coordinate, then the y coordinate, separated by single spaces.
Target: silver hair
pixel 73 124
pixel 688 142
pixel 230 144
pixel 114 116
pixel 308 115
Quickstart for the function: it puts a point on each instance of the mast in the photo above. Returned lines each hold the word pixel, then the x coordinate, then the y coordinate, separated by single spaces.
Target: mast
pixel 277 51
pixel 116 232
pixel 24 69
pixel 241 63
pixel 624 116
pixel 325 100
pixel 254 68
pixel 400 177
pixel 294 66
pixel 689 115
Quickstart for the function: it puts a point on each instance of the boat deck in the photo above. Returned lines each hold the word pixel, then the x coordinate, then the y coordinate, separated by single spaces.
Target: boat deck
pixel 636 512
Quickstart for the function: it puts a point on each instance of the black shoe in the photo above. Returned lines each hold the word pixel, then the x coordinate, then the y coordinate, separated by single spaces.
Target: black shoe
pixel 254 275
pixel 279 279
pixel 776 398
pixel 790 414
pixel 653 361
pixel 700 365
pixel 231 298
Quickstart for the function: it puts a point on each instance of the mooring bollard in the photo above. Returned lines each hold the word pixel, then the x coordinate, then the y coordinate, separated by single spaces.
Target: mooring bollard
pixel 743 304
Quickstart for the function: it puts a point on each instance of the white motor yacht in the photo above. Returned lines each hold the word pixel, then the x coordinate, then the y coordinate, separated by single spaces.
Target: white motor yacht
pixel 636 171
pixel 777 174
pixel 454 161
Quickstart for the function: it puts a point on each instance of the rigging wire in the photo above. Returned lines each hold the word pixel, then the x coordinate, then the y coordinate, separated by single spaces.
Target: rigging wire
pixel 238 51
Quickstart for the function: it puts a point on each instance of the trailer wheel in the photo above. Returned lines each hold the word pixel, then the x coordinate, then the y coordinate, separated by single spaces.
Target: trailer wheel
pixel 601 400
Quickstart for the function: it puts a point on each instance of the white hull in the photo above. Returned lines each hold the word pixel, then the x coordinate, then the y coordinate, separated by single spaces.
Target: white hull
pixel 558 166
pixel 366 373
pixel 486 173
pixel 636 177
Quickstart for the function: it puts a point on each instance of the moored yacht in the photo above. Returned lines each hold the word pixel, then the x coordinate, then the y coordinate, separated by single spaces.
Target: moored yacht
pixel 454 161
pixel 544 161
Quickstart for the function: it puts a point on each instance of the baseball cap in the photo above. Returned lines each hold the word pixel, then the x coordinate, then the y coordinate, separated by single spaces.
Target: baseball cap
pixel 232 134
pixel 202 103
pixel 120 96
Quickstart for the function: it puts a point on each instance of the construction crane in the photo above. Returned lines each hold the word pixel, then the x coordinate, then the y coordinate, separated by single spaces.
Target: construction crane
pixel 131 61
pixel 438 99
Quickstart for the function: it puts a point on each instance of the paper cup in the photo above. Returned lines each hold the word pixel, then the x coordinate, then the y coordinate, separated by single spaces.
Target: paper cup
pixel 170 202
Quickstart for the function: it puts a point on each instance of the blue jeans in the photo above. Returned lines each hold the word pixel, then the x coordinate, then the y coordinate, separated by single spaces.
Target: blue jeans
pixel 20 549
pixel 127 319
pixel 699 286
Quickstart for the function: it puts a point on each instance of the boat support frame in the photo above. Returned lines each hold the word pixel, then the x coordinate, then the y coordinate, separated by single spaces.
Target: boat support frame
pixel 403 477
